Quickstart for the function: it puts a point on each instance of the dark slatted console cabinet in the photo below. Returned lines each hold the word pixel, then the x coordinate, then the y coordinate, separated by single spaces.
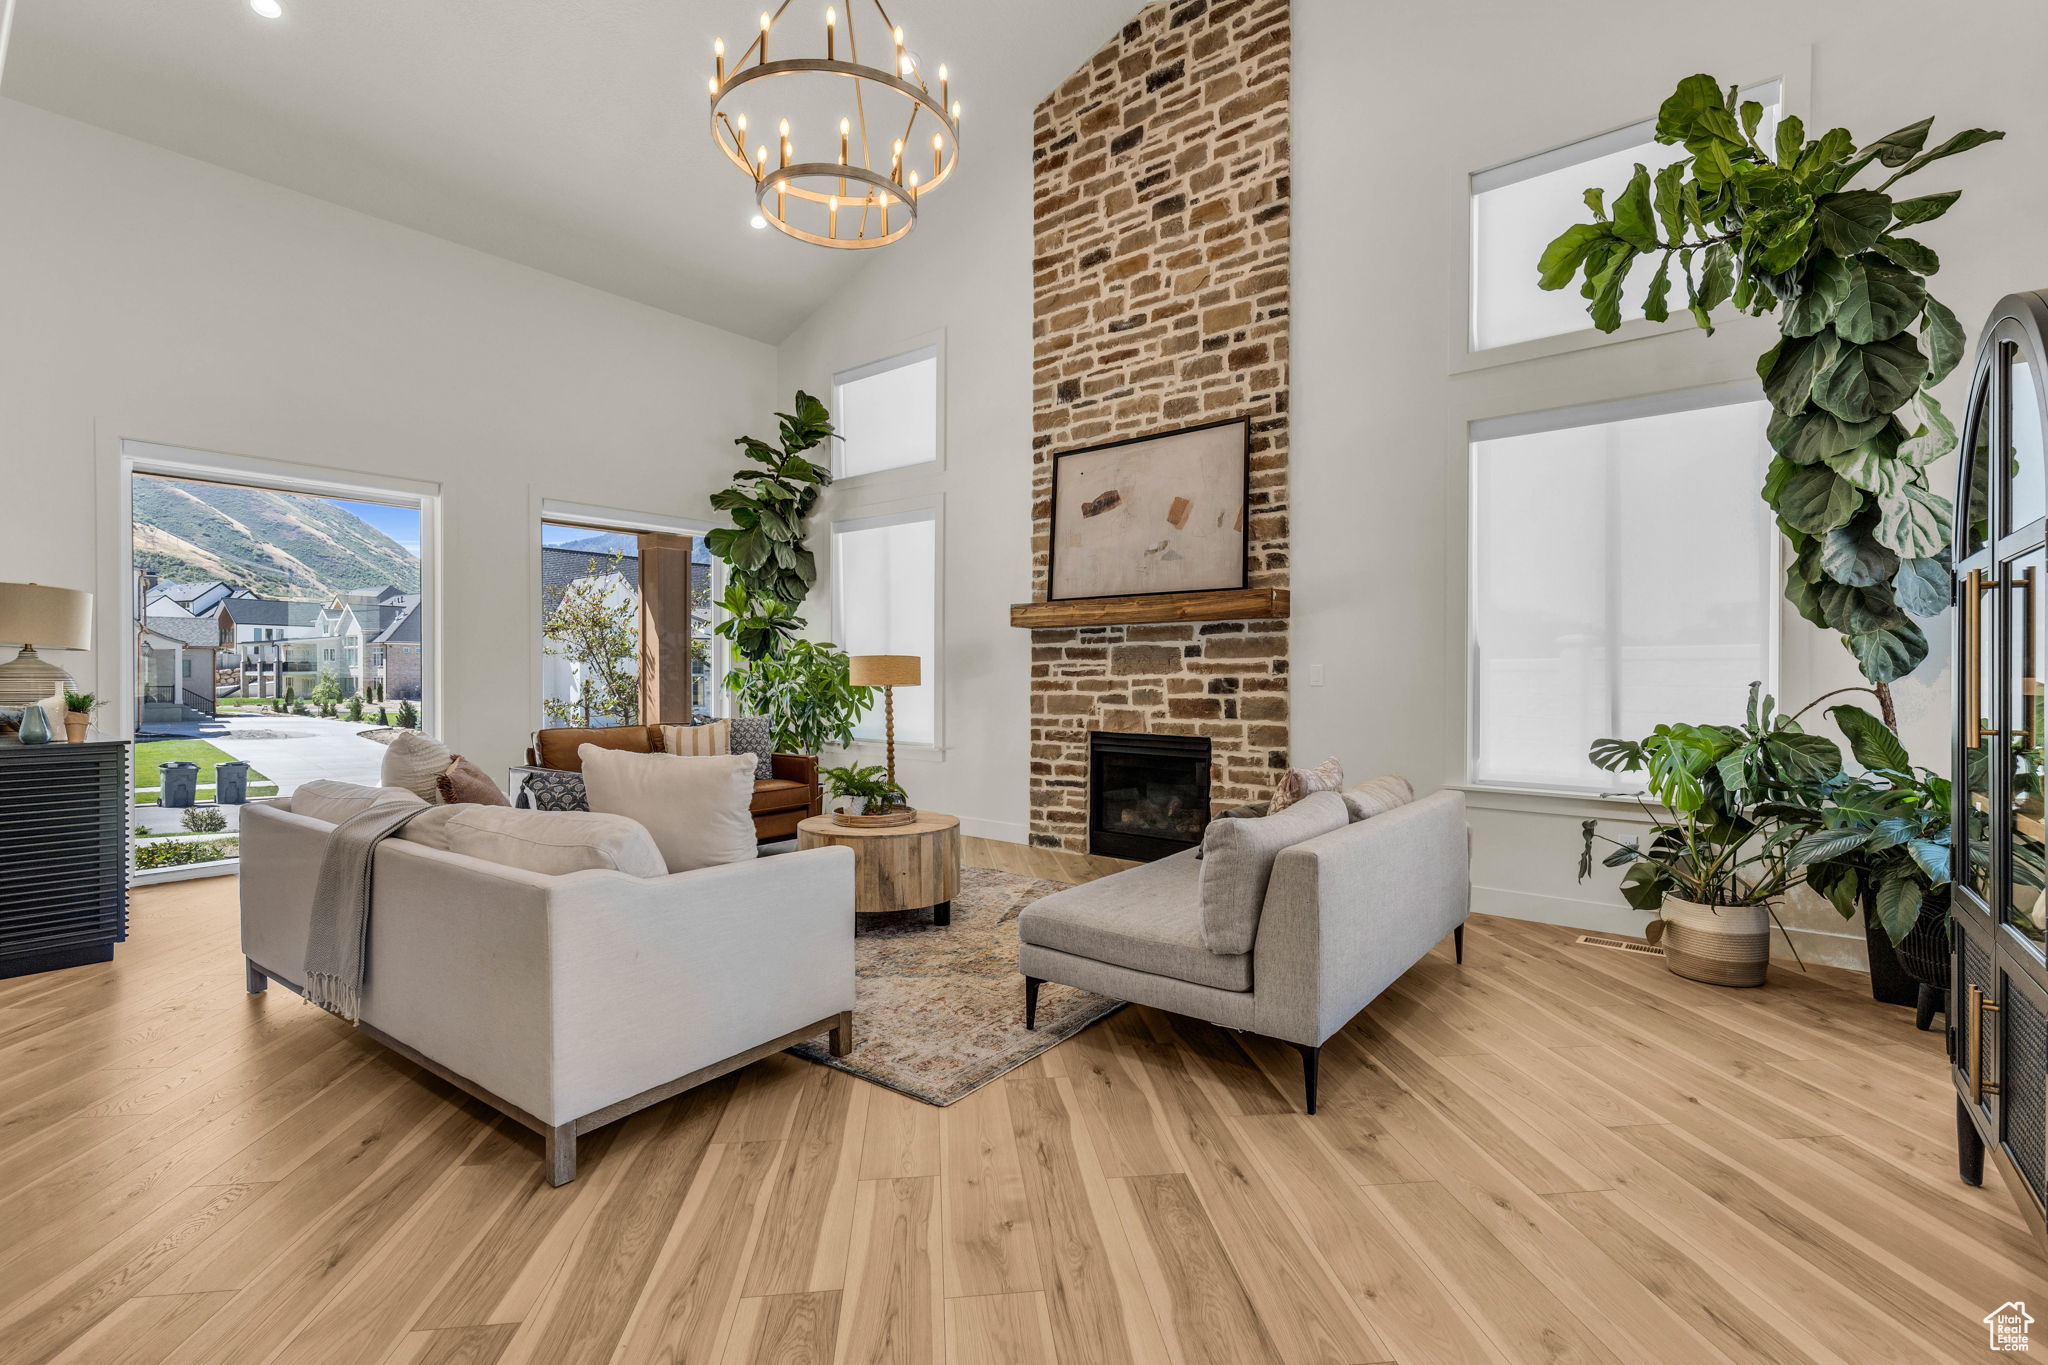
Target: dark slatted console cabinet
pixel 63 853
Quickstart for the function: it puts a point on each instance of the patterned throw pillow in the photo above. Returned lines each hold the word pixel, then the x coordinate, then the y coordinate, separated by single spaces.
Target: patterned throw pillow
pixel 551 790
pixel 1327 776
pixel 752 735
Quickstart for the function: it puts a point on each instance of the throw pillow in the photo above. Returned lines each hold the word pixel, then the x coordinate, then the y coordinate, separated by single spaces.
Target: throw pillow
pixel 546 789
pixel 465 784
pixel 696 741
pixel 1237 863
pixel 753 735
pixel 415 762
pixel 696 808
pixel 335 802
pixel 554 843
pixel 1326 776
pixel 1378 796
pixel 1240 813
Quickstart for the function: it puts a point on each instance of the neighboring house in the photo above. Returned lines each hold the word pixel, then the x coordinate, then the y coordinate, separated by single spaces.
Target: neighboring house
pixel 178 659
pixel 372 640
pixel 196 598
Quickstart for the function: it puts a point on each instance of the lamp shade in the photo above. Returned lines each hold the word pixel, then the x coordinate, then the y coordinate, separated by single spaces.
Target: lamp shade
pixel 882 670
pixel 52 618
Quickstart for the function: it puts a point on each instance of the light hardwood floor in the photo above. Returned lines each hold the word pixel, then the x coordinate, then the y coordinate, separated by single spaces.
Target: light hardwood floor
pixel 1555 1153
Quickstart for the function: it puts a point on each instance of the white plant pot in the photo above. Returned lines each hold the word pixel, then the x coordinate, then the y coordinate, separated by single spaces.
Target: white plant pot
pixel 1722 945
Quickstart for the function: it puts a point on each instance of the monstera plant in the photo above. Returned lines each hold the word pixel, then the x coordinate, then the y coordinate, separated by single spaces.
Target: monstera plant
pixel 1781 229
pixel 765 543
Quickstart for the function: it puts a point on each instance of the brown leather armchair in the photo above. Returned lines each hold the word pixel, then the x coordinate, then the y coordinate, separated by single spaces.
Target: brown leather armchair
pixel 780 800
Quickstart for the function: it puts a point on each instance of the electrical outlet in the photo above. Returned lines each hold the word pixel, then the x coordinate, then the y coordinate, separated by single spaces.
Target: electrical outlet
pixel 1315 675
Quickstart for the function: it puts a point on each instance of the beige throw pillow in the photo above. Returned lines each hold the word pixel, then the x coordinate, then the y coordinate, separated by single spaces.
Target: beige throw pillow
pixel 415 762
pixel 1378 795
pixel 698 741
pixel 1326 776
pixel 1237 862
pixel 552 843
pixel 695 807
pixel 335 802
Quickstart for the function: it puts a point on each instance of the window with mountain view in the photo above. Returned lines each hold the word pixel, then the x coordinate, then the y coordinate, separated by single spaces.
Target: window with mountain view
pixel 277 636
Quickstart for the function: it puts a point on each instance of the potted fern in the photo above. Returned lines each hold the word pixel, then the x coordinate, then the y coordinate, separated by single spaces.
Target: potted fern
pixel 78 709
pixel 877 800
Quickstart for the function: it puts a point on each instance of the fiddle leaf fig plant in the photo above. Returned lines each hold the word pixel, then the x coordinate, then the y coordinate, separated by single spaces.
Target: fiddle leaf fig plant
pixel 1781 229
pixel 765 543
pixel 805 694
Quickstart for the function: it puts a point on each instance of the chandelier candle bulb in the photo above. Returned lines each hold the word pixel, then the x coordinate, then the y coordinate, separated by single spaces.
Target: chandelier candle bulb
pixel 898 35
pixel 831 33
pixel 765 22
pixel 896 162
pixel 913 187
pixel 956 115
pixel 831 216
pixel 718 48
pixel 845 129
pixel 785 143
pixel 760 164
pixel 714 88
pixel 942 84
pixel 937 143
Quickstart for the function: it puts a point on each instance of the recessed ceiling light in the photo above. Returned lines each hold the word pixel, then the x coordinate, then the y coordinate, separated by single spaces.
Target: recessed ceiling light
pixel 759 221
pixel 269 9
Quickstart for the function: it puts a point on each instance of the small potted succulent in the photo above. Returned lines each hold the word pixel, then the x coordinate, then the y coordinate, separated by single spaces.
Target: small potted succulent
pixel 876 800
pixel 78 707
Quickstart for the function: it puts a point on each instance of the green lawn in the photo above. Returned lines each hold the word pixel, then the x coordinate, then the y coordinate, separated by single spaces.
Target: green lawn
pixel 150 752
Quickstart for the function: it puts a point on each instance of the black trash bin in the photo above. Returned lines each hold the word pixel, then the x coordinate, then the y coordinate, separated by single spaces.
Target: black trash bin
pixel 231 783
pixel 178 783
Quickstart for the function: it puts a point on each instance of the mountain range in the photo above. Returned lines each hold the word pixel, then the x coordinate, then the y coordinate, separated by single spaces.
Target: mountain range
pixel 284 545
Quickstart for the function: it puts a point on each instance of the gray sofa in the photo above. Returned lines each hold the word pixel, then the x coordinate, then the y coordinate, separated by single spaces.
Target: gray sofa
pixel 1306 916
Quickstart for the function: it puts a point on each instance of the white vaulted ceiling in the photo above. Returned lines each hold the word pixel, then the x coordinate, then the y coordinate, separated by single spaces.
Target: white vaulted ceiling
pixel 567 135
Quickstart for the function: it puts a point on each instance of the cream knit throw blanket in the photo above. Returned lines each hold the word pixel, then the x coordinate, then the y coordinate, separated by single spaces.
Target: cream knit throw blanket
pixel 338 939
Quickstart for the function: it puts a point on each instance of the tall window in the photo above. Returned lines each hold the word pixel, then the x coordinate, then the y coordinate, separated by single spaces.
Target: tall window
pixel 1621 575
pixel 887 413
pixel 1519 207
pixel 887 591
pixel 625 627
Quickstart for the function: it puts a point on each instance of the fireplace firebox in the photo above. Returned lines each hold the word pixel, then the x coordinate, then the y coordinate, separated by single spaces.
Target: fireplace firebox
pixel 1148 795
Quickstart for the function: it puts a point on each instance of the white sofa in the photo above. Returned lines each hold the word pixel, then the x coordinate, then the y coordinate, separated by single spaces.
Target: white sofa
pixel 570 1001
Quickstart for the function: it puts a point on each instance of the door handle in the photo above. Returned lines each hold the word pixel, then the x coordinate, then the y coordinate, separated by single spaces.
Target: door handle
pixel 2028 683
pixel 1975 585
pixel 1973 1043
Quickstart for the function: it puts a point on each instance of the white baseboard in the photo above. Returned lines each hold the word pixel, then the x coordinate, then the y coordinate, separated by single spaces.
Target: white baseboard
pixel 1004 831
pixel 1825 947
pixel 231 867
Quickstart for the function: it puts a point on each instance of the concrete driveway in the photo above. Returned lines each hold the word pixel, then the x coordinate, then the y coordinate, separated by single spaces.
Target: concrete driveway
pixel 289 749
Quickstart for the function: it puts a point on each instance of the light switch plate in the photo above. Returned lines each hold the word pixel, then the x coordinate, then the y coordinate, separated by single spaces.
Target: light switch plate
pixel 1315 675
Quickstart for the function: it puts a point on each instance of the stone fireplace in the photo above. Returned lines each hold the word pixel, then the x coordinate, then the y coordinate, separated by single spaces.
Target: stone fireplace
pixel 1148 795
pixel 1161 300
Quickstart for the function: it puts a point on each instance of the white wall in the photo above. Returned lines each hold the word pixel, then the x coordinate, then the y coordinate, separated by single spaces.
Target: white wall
pixel 155 297
pixel 965 272
pixel 1393 106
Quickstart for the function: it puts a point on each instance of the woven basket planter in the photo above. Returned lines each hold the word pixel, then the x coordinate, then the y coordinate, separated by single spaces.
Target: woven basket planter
pixel 1722 945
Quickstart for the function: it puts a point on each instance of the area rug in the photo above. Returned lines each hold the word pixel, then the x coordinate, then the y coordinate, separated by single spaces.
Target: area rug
pixel 939 1013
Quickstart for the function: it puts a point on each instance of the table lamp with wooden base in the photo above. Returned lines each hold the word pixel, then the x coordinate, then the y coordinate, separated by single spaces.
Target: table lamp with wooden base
pixel 888 672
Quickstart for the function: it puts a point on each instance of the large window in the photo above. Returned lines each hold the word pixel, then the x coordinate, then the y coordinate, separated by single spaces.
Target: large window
pixel 1519 207
pixel 887 597
pixel 1621 576
pixel 887 413
pixel 626 622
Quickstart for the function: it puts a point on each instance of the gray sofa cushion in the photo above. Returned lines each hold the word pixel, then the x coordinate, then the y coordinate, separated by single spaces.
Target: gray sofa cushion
pixel 1147 918
pixel 1237 862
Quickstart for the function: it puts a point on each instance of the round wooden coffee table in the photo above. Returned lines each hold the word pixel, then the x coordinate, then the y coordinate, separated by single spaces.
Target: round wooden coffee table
pixel 901 867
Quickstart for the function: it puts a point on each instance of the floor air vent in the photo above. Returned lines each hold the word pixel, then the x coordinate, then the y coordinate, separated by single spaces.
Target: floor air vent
pixel 1626 945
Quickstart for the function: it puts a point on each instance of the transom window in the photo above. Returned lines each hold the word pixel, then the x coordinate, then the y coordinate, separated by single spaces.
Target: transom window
pixel 1517 208
pixel 887 413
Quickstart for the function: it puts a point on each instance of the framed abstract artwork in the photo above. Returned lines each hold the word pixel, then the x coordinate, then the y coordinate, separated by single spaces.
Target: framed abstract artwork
pixel 1154 514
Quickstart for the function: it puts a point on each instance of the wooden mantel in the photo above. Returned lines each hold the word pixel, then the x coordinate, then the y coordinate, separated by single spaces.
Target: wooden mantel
pixel 1229 604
